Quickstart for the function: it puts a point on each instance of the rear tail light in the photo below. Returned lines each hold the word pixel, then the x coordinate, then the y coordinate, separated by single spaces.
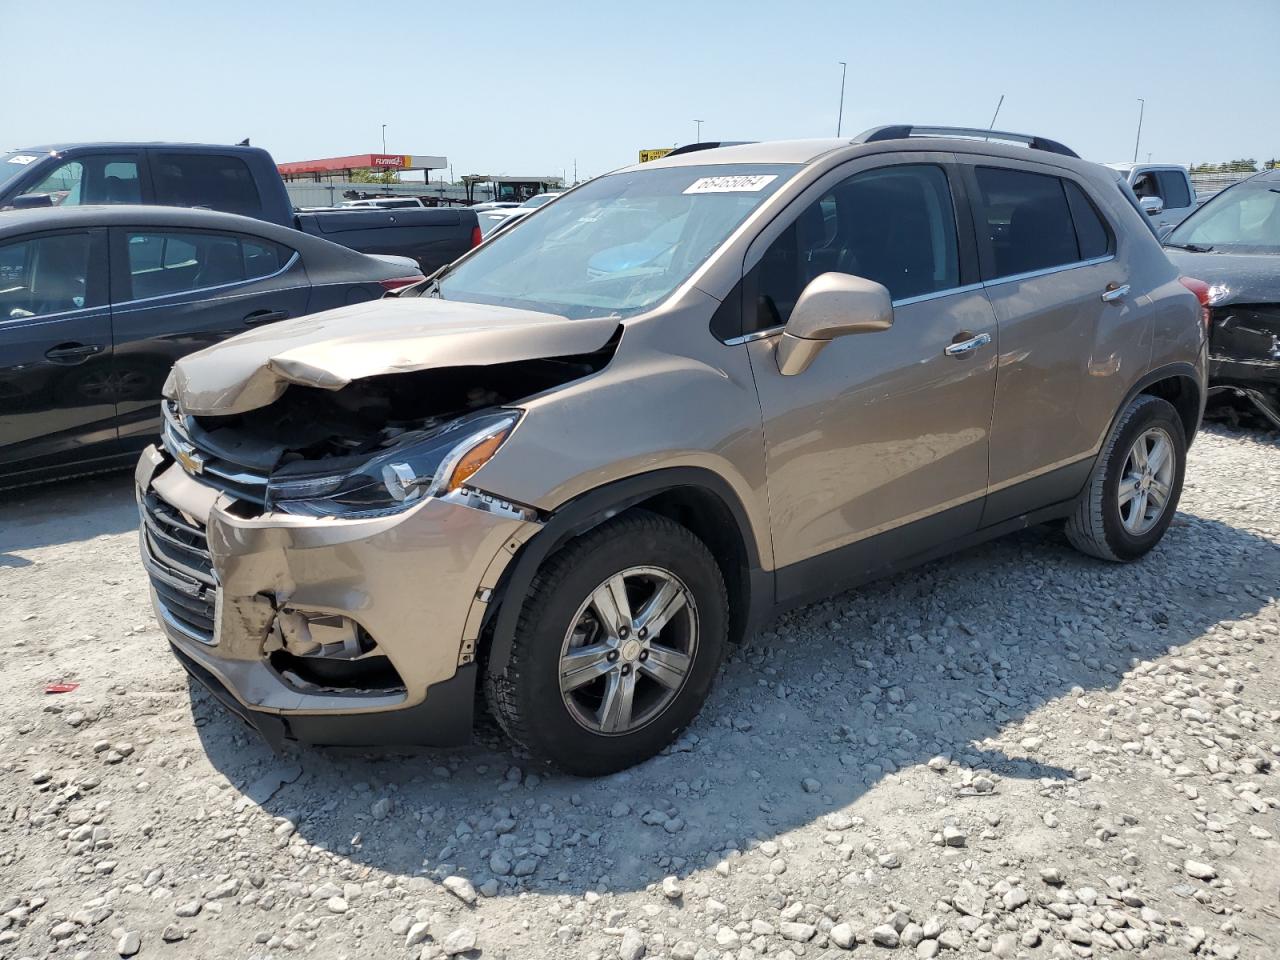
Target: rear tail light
pixel 1201 290
pixel 476 235
pixel 400 282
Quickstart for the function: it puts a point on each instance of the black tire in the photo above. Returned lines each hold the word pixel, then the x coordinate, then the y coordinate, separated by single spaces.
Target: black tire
pixel 1096 527
pixel 526 699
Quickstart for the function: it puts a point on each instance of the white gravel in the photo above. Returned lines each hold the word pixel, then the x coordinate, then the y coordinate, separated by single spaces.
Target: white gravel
pixel 1015 751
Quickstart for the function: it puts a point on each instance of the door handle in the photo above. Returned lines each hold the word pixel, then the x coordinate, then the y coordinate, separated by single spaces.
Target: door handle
pixel 73 352
pixel 265 316
pixel 962 348
pixel 1114 292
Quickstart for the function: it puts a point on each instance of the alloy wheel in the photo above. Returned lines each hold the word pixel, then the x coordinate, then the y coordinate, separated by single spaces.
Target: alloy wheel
pixel 628 650
pixel 1146 481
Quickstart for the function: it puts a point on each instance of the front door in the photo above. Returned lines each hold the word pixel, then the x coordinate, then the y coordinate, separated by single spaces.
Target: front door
pixel 57 395
pixel 177 291
pixel 885 433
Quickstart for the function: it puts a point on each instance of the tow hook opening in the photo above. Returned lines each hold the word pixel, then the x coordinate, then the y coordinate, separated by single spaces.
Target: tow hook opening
pixel 327 651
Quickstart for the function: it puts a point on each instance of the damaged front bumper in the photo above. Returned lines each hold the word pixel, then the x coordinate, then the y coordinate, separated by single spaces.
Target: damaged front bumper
pixel 1244 355
pixel 325 631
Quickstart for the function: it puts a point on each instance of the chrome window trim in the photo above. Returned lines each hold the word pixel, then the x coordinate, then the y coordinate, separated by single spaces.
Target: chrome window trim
pixel 1032 274
pixel 967 288
pixel 221 286
pixel 78 312
pixel 904 302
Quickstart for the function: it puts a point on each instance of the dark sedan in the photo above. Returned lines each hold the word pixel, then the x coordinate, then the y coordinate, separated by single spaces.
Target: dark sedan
pixel 1233 244
pixel 96 303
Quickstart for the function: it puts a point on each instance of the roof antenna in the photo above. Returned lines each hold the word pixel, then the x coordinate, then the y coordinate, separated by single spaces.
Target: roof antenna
pixel 243 143
pixel 994 115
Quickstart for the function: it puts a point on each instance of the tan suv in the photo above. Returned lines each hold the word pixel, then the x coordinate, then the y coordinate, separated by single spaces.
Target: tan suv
pixel 576 464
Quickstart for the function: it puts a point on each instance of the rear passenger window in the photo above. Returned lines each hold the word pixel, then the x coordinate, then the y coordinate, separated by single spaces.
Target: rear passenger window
pixel 1027 221
pixel 1092 233
pixel 895 225
pixel 219 183
pixel 263 258
pixel 1173 189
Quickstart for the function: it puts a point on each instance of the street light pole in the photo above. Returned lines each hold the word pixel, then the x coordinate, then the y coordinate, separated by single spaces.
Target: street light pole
pixel 384 138
pixel 1142 108
pixel 844 67
pixel 697 137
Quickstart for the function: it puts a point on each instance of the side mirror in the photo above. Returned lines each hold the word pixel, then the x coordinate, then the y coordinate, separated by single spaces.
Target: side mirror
pixel 832 305
pixel 1152 205
pixel 29 201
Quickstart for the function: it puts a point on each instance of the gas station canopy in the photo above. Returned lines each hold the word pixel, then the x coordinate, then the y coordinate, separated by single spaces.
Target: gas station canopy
pixel 343 166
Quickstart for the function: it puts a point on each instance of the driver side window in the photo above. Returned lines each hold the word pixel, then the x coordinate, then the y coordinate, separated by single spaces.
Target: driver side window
pixel 895 225
pixel 91 179
pixel 44 275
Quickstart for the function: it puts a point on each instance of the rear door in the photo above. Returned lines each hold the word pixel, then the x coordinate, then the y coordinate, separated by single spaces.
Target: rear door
pixel 1048 261
pixel 1179 200
pixel 57 394
pixel 176 291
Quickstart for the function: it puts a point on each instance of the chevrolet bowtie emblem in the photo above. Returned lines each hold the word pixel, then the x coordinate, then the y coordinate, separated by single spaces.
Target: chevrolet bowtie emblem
pixel 191 461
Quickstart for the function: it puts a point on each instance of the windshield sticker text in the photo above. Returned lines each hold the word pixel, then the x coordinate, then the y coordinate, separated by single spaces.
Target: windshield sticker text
pixel 23 158
pixel 744 184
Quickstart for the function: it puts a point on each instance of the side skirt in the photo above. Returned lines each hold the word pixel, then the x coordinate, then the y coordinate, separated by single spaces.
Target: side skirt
pixel 926 540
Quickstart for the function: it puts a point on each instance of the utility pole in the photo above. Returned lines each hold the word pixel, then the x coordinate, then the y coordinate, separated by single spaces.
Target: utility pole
pixel 697 137
pixel 844 67
pixel 1142 107
pixel 384 138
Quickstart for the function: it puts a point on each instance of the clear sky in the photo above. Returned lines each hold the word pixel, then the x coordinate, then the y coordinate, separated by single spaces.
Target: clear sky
pixel 527 88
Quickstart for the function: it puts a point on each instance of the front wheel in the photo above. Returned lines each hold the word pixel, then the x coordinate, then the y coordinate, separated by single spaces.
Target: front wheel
pixel 616 647
pixel 1133 492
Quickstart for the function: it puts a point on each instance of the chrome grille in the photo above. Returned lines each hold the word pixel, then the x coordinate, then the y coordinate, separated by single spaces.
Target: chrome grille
pixel 175 552
pixel 198 459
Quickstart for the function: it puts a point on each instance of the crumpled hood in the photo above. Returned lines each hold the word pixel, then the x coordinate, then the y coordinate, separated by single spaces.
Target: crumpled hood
pixel 1235 277
pixel 330 349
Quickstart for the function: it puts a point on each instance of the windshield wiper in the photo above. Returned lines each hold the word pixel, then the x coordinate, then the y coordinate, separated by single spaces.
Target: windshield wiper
pixel 1191 247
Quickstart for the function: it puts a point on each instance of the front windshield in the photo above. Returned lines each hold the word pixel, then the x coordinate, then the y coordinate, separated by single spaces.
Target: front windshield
pixel 1242 219
pixel 616 245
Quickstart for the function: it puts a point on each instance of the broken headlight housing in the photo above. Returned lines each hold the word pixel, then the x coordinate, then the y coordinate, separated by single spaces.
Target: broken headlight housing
pixel 427 465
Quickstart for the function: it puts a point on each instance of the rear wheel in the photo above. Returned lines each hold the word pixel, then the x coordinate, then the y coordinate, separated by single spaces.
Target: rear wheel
pixel 1133 492
pixel 616 648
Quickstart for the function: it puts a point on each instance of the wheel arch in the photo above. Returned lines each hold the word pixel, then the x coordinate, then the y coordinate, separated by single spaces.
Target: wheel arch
pixel 697 498
pixel 1180 386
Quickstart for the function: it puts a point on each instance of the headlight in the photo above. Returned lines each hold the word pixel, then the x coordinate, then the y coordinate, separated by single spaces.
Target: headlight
pixel 434 464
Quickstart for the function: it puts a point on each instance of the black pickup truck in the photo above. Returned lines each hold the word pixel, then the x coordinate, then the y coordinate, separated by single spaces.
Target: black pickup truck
pixel 237 179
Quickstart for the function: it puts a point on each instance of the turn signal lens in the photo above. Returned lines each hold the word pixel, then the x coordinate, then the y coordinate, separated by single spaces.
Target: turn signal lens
pixel 474 459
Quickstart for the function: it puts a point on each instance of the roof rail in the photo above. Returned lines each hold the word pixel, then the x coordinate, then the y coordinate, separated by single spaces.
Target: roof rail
pixel 902 131
pixel 706 145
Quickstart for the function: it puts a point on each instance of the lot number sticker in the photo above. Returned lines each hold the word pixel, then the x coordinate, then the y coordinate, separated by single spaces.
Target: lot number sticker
pixel 23 158
pixel 748 184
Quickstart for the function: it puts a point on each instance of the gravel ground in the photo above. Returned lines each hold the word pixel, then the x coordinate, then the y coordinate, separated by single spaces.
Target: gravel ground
pixel 1016 751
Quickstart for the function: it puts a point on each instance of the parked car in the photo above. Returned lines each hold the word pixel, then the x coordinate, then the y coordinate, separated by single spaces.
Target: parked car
pixel 494 205
pixel 578 487
pixel 500 218
pixel 1233 243
pixel 239 179
pixel 97 302
pixel 1164 190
